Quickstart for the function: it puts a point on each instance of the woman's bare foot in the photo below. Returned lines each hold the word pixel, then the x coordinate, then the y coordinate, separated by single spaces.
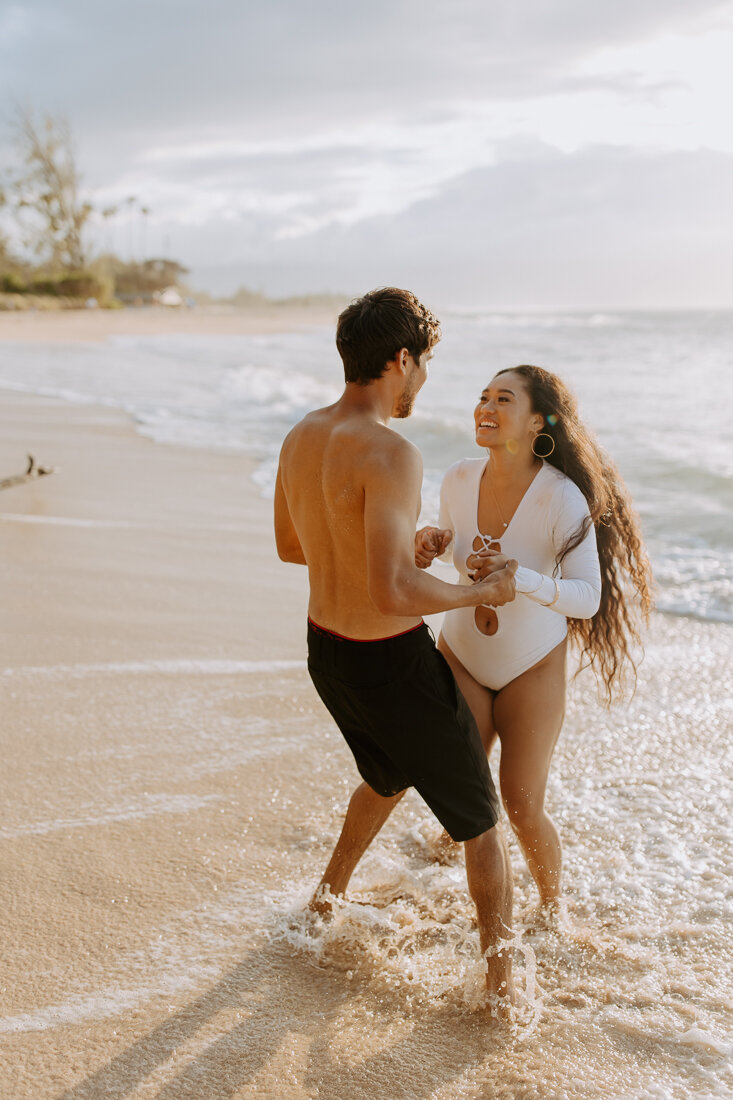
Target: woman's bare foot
pixel 444 850
pixel 549 916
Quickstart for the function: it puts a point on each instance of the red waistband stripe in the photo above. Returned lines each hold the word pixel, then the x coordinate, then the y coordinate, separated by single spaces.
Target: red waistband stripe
pixel 346 638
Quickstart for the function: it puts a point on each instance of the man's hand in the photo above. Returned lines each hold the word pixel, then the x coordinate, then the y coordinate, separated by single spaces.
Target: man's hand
pixel 499 588
pixel 430 542
pixel 485 562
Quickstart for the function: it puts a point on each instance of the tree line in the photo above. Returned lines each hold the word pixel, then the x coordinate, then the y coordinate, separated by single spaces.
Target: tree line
pixel 42 199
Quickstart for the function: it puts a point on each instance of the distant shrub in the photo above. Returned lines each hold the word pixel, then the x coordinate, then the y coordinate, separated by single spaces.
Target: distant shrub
pixel 42 284
pixel 80 284
pixel 75 284
pixel 12 283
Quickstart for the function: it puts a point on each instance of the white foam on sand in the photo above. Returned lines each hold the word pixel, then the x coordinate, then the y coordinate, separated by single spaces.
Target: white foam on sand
pixel 102 1004
pixel 629 996
pixel 181 956
pixel 70 521
pixel 115 524
pixel 184 667
pixel 150 806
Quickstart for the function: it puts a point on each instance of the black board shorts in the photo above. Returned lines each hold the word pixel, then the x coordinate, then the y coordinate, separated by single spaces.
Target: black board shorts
pixel 398 707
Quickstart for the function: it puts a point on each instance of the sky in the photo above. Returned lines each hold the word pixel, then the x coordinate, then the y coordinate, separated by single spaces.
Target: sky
pixel 509 154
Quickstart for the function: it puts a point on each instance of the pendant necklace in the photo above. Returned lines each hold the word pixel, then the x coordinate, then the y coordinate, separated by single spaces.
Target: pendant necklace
pixel 496 502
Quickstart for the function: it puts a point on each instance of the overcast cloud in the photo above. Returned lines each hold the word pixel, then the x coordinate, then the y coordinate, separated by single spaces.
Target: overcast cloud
pixel 512 153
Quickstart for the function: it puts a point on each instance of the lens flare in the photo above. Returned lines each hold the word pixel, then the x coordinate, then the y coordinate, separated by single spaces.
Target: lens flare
pixel 512 446
pixel 552 420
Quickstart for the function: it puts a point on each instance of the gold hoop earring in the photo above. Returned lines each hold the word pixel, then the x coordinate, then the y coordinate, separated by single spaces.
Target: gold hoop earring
pixel 540 435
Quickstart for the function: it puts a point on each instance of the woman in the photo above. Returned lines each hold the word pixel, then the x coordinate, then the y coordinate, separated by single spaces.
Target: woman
pixel 548 497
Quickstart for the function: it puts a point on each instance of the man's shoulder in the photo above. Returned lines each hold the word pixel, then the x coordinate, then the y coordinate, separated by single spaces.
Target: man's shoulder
pixel 388 455
pixel 374 440
pixel 397 446
pixel 373 447
pixel 311 423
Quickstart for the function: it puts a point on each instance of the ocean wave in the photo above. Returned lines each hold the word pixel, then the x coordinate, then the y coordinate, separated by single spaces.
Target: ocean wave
pixel 696 582
pixel 535 320
pixel 631 373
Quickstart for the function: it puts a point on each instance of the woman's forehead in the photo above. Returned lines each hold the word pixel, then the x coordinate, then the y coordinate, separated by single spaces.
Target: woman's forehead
pixel 507 380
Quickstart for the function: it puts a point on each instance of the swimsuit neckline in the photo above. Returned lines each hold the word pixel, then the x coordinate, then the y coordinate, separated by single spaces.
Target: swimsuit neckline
pixel 488 539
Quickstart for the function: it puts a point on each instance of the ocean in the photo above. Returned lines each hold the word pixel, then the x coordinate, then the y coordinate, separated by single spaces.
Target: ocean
pixel 631 996
pixel 656 388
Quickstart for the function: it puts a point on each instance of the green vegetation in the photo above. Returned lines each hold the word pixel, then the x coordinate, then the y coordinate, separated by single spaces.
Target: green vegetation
pixel 252 299
pixel 43 197
pixel 50 264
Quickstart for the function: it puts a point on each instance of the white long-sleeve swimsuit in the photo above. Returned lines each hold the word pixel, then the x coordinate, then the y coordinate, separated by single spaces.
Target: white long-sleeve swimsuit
pixel 550 512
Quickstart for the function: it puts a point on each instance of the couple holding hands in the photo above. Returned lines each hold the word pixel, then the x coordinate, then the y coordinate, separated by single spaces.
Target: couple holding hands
pixel 546 546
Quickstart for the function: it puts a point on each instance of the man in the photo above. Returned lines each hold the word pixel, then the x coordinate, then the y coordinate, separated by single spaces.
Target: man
pixel 346 504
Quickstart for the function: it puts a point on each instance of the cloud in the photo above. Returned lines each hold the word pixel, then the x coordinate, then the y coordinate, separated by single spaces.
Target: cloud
pixel 329 144
pixel 168 68
pixel 600 228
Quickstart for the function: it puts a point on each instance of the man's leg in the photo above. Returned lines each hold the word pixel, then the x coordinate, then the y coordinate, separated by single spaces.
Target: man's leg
pixel 490 885
pixel 365 816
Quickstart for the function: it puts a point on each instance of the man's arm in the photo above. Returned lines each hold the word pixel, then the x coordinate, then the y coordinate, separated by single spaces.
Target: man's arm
pixel 396 585
pixel 286 537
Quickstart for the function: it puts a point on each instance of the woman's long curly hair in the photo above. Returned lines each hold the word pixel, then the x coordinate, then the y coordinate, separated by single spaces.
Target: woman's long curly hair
pixel 626 581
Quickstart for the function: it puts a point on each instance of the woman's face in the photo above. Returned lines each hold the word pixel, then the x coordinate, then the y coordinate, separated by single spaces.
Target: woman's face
pixel 504 417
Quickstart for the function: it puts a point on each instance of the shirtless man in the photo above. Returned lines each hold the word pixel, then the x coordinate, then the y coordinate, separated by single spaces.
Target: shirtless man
pixel 346 504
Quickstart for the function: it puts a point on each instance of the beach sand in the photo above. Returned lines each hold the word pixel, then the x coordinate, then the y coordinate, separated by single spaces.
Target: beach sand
pixel 171 789
pixel 77 325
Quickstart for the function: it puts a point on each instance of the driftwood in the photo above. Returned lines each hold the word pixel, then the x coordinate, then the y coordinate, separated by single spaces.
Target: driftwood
pixel 30 474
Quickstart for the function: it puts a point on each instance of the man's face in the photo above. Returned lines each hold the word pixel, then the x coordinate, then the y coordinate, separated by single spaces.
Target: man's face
pixel 415 379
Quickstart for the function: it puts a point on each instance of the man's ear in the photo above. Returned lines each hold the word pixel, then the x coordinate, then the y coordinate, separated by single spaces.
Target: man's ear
pixel 399 363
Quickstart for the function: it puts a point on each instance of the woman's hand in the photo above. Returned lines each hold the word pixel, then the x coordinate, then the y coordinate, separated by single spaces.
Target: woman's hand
pixel 500 587
pixel 485 562
pixel 430 542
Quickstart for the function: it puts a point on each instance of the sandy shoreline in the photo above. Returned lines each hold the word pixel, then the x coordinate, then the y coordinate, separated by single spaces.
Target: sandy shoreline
pixel 171 788
pixel 134 572
pixel 92 325
pixel 143 547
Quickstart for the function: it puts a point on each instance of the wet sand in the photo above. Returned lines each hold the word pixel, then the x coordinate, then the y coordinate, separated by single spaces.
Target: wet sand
pixel 75 325
pixel 171 789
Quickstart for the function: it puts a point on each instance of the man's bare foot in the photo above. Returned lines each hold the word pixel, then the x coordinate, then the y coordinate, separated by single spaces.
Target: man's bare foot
pixel 322 900
pixel 500 1009
pixel 499 982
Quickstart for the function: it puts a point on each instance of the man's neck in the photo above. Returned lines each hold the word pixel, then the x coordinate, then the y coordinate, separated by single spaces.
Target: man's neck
pixel 375 400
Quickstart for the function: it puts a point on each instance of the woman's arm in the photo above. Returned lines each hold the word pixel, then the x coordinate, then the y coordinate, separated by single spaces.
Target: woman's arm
pixel 576 592
pixel 575 597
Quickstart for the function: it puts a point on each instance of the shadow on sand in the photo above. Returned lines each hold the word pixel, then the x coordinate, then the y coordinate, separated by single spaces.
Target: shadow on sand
pixel 285 994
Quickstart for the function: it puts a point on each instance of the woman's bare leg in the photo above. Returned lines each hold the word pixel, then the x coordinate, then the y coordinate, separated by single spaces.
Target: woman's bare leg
pixel 529 713
pixel 479 700
pixel 478 697
pixel 488 868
